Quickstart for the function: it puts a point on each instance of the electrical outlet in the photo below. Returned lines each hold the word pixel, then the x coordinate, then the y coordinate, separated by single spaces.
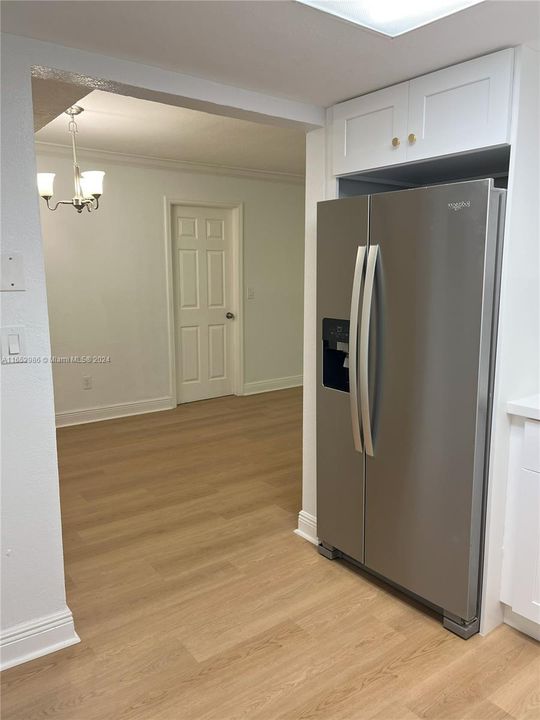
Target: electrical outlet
pixel 87 382
pixel 12 272
pixel 251 293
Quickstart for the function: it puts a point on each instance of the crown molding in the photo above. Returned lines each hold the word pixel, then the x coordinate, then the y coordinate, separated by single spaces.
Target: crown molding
pixel 169 164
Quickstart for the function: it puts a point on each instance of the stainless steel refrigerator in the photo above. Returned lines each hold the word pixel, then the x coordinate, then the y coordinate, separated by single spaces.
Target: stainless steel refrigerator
pixel 407 286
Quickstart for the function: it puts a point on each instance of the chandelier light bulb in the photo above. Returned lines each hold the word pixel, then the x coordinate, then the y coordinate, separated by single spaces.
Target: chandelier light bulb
pixel 45 184
pixel 92 183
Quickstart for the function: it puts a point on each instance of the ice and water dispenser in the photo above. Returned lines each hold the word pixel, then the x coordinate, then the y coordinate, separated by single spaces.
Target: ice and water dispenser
pixel 335 354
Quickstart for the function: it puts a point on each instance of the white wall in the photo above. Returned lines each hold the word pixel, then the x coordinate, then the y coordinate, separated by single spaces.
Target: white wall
pixel 315 191
pixel 35 619
pixel 107 273
pixel 517 372
pixel 34 611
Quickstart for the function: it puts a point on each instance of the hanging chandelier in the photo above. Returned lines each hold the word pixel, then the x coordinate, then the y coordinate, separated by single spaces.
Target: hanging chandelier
pixel 88 184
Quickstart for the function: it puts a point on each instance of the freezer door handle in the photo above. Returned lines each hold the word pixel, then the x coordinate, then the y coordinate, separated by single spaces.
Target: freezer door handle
pixel 364 347
pixel 353 347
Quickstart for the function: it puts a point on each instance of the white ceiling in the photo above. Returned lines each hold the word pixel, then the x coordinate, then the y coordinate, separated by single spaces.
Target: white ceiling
pixel 116 123
pixel 276 47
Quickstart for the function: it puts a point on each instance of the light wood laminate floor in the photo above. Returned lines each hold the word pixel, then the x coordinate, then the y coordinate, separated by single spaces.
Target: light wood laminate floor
pixel 195 601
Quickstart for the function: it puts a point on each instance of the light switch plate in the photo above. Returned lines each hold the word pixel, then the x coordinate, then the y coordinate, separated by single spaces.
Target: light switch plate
pixel 12 272
pixel 8 340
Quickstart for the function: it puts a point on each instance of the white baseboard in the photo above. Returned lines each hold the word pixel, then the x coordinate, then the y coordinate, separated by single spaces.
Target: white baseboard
pixel 307 527
pixel 108 412
pixel 260 386
pixel 31 640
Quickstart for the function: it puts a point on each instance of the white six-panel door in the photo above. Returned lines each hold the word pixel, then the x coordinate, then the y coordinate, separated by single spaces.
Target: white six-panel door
pixel 202 263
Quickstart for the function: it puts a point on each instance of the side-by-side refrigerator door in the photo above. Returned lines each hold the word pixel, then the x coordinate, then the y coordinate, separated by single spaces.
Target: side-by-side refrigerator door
pixel 342 234
pixel 424 474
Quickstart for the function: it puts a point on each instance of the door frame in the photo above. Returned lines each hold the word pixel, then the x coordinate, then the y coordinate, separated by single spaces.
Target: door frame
pixel 237 304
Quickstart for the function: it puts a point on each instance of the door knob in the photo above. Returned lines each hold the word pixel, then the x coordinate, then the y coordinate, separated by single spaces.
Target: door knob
pixel 395 142
pixel 230 316
pixel 412 138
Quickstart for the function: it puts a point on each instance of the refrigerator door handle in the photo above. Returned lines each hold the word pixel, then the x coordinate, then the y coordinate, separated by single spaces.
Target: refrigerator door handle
pixel 364 347
pixel 353 347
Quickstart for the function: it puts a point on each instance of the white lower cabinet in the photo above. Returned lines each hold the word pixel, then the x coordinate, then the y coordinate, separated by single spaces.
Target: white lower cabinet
pixel 520 588
pixel 526 586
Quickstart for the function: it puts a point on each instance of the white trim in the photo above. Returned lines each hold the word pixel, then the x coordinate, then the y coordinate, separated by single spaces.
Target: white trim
pixel 237 304
pixel 317 149
pixel 238 297
pixel 108 412
pixel 31 640
pixel 169 292
pixel 170 164
pixel 262 386
pixel 307 527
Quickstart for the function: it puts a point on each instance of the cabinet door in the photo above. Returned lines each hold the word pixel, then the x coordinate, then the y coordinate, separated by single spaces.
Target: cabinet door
pixel 363 130
pixel 461 108
pixel 526 592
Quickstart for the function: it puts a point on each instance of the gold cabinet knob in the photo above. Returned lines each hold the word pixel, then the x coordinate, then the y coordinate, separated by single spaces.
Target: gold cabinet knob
pixel 412 138
pixel 395 142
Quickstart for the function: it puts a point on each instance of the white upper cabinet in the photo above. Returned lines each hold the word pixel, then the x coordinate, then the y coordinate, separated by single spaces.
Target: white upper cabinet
pixel 371 131
pixel 464 107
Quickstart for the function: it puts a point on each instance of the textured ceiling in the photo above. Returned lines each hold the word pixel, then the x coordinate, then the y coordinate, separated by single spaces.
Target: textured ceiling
pixel 51 97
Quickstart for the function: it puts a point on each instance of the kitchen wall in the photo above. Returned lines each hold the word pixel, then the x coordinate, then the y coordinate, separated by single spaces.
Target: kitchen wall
pixel 34 616
pixel 106 279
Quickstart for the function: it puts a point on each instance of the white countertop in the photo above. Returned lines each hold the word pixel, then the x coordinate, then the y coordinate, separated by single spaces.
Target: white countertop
pixel 528 407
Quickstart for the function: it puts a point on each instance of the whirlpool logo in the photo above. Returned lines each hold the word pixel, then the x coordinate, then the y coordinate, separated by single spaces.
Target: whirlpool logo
pixel 455 206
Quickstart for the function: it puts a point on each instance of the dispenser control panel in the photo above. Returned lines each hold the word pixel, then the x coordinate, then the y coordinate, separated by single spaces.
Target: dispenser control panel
pixel 335 338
